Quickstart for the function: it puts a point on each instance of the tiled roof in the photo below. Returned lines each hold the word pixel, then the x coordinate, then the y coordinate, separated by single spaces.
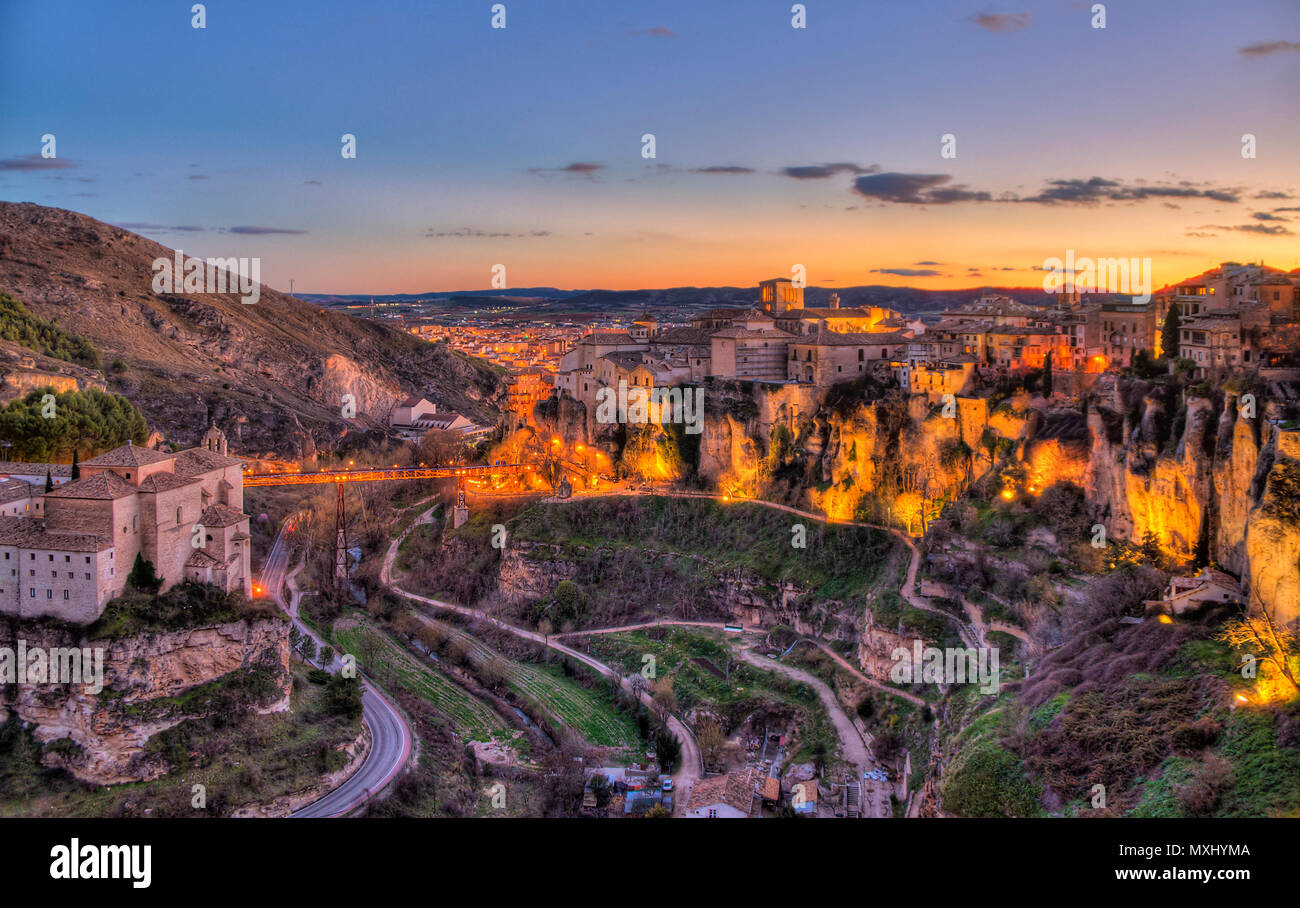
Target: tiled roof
pixel 17 489
pixel 193 461
pixel 128 455
pixel 853 339
pixel 220 515
pixel 412 402
pixel 104 486
pixel 24 532
pixel 201 559
pixel 735 788
pixel 769 333
pixel 32 469
pixel 681 336
pixel 164 482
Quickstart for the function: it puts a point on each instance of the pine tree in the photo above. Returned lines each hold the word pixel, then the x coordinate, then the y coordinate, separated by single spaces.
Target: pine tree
pixel 1047 375
pixel 49 481
pixel 142 576
pixel 1169 334
pixel 76 467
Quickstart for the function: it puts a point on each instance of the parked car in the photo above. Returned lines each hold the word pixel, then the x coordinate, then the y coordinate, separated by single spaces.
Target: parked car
pixel 668 785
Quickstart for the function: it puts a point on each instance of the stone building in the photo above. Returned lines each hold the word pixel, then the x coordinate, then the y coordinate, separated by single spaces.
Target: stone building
pixel 181 511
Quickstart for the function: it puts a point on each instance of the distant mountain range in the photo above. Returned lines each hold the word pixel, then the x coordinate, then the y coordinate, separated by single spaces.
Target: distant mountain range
pixel 672 302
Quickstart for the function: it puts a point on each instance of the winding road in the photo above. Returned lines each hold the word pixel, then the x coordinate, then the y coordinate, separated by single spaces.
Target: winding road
pixel 390 735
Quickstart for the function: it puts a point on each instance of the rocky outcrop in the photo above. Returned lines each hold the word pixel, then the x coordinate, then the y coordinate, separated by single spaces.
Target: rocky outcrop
pixel 151 682
pixel 193 359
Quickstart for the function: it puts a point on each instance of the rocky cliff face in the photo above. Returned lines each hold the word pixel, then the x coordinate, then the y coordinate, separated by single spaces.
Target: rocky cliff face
pixel 146 678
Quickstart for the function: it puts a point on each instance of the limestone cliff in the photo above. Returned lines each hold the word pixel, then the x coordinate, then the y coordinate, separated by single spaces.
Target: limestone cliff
pixel 152 681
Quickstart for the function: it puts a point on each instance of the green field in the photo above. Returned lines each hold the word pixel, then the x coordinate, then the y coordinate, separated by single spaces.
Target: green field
pixel 470 717
pixel 585 711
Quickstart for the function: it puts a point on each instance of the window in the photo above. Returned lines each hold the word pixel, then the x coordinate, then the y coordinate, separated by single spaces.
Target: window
pixel 65 594
pixel 87 559
pixel 67 558
pixel 31 592
pixel 32 573
pixel 49 594
pixel 178 515
pixel 87 575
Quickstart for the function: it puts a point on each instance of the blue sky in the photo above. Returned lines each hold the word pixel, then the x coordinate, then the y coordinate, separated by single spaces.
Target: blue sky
pixel 466 136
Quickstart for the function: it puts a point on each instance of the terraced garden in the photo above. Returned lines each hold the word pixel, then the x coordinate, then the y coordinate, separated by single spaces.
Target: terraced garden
pixel 470 717
pixel 566 701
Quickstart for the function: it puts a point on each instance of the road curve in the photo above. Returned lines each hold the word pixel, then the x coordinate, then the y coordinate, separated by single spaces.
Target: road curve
pixel 390 736
pixel 390 748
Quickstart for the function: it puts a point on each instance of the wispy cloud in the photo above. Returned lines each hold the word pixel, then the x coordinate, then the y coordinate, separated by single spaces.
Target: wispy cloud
pixel 1264 48
pixel 908 272
pixel 580 168
pixel 263 231
pixel 1265 229
pixel 938 189
pixel 35 162
pixel 723 169
pixel 160 228
pixel 822 171
pixel 657 31
pixel 474 233
pixel 1002 22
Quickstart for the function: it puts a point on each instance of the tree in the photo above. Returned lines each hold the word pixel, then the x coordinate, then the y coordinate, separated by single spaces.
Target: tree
pixel 668 750
pixel 76 467
pixel 1277 648
pixel 343 696
pixel 712 741
pixel 665 699
pixel 142 576
pixel 600 789
pixel 1169 334
pixel 1047 374
pixel 49 481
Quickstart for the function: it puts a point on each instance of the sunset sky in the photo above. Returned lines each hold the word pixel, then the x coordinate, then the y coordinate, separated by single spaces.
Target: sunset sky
pixel 775 145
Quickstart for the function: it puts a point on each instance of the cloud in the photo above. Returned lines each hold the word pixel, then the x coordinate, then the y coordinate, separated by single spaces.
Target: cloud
pixel 657 32
pixel 35 162
pixel 311 183
pixel 937 189
pixel 908 272
pixel 1265 216
pixel 1099 189
pixel 264 231
pixel 1271 194
pixel 475 233
pixel 927 263
pixel 1267 230
pixel 155 228
pixel 1264 48
pixel 1199 234
pixel 1001 22
pixel 723 168
pixel 822 171
pixel 582 168
pixel 197 176
pixel 916 189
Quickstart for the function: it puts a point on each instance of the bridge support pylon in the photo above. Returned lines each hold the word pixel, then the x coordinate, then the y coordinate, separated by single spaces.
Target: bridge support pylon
pixel 462 509
pixel 340 542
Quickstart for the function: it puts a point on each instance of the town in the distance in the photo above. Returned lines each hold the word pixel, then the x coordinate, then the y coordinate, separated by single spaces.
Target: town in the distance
pixel 748 552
